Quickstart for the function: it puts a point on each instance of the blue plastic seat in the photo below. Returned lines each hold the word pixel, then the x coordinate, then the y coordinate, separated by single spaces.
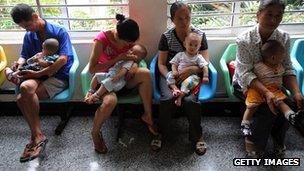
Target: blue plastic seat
pixel 297 58
pixel 206 92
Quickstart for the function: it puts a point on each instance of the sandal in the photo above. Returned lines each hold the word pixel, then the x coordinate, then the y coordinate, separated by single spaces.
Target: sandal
pixel 32 151
pixel 156 143
pixel 11 77
pixel 200 148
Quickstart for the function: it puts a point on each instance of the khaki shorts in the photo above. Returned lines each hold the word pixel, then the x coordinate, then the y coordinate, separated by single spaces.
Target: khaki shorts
pixel 54 86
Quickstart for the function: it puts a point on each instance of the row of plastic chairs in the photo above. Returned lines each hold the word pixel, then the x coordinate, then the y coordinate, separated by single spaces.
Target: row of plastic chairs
pixel 296 55
pixel 207 91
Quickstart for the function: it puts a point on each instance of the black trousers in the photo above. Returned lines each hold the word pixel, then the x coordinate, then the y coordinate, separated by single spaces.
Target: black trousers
pixel 265 123
pixel 190 106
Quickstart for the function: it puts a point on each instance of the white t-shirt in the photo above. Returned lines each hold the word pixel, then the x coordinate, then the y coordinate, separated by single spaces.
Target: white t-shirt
pixel 182 60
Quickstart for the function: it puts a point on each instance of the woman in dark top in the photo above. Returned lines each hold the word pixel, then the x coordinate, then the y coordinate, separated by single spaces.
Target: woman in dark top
pixel 170 44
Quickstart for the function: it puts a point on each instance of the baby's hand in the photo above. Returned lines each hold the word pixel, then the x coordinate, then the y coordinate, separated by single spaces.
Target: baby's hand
pixel 205 80
pixel 131 57
pixel 115 78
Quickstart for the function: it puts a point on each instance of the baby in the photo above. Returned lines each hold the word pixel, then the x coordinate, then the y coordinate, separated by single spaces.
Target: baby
pixel 41 60
pixel 182 60
pixel 270 72
pixel 114 79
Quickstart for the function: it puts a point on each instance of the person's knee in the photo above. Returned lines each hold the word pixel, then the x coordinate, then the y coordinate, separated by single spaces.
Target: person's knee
pixel 144 73
pixel 26 89
pixel 109 102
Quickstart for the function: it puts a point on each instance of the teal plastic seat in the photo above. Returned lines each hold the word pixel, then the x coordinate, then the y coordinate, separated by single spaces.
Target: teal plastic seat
pixel 3 63
pixel 206 92
pixel 297 59
pixel 228 55
pixel 65 95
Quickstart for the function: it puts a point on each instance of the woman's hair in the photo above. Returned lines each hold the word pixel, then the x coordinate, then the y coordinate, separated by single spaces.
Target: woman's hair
pixel 22 12
pixel 270 47
pixel 127 29
pixel 266 3
pixel 176 6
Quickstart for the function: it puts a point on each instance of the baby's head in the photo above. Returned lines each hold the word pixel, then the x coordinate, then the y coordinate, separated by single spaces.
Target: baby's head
pixel 140 51
pixel 50 46
pixel 192 43
pixel 273 52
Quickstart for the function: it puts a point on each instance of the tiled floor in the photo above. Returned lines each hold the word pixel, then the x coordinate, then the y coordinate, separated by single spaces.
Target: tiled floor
pixel 73 149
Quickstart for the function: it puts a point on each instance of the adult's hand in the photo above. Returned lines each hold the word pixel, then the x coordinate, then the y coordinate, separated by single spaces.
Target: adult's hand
pixel 185 73
pixel 271 102
pixel 15 66
pixel 298 98
pixel 28 74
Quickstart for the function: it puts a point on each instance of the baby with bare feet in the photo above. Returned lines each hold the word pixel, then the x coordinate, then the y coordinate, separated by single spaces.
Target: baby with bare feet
pixel 114 79
pixel 181 61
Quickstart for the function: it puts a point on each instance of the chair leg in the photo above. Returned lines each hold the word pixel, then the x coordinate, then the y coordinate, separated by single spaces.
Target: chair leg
pixel 120 124
pixel 64 120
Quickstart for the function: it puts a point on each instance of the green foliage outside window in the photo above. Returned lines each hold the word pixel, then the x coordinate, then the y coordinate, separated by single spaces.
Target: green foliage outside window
pixel 213 20
pixel 240 19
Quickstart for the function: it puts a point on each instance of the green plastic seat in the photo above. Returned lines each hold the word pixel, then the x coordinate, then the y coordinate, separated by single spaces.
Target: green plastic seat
pixel 228 55
pixel 131 97
pixel 3 63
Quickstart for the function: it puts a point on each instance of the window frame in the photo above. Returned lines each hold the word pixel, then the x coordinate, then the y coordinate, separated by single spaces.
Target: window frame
pixel 232 30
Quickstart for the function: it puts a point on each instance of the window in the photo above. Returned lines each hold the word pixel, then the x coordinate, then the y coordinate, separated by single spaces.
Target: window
pixel 231 15
pixel 75 15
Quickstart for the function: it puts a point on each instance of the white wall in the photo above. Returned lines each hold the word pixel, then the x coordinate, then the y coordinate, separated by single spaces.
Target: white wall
pixel 151 16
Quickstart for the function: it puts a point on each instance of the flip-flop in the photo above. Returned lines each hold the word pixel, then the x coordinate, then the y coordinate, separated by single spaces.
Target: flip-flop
pixel 156 143
pixel 200 148
pixel 11 78
pixel 30 152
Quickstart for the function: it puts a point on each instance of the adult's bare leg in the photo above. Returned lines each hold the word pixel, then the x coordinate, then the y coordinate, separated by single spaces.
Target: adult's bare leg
pixel 28 103
pixel 101 115
pixel 143 80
